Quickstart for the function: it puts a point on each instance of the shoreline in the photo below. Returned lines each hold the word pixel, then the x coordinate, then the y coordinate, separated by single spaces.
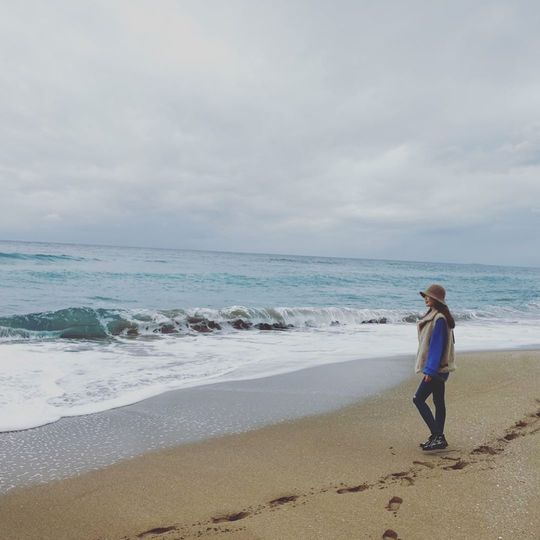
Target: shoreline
pixel 226 381
pixel 75 445
pixel 56 379
pixel 331 475
pixel 78 444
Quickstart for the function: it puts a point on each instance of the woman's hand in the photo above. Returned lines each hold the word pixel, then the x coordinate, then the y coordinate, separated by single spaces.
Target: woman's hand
pixel 427 378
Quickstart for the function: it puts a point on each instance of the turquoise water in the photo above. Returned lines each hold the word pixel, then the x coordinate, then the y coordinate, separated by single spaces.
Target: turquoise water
pixel 89 328
pixel 40 278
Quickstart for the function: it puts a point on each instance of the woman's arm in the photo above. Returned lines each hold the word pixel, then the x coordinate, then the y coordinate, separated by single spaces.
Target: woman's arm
pixel 437 345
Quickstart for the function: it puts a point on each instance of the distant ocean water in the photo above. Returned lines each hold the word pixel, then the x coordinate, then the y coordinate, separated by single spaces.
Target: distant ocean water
pixel 87 328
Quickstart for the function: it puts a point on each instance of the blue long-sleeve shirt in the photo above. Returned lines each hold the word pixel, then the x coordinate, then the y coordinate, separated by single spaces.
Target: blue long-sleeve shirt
pixel 437 344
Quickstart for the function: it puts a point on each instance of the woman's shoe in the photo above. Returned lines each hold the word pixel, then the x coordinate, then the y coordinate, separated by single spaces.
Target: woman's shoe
pixel 431 437
pixel 437 443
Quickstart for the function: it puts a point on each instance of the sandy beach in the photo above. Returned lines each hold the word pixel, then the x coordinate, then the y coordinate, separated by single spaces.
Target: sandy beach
pixel 352 473
pixel 231 232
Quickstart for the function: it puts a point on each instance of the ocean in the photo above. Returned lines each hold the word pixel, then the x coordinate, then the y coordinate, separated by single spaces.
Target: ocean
pixel 85 328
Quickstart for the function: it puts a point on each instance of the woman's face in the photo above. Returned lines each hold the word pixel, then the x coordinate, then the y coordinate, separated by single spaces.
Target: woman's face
pixel 430 303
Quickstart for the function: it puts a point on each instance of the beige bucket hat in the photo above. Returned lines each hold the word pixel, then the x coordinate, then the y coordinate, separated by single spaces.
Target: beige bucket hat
pixel 436 292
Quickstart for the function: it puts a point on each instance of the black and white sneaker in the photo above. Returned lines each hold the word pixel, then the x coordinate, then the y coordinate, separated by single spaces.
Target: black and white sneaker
pixel 431 437
pixel 437 443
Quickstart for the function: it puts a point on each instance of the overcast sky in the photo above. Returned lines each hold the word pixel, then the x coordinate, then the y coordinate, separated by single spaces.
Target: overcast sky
pixel 398 130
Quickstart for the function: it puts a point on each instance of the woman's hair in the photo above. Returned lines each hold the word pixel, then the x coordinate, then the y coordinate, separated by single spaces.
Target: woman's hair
pixel 442 308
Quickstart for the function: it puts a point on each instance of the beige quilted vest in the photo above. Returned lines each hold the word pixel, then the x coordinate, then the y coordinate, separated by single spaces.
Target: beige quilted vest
pixel 425 329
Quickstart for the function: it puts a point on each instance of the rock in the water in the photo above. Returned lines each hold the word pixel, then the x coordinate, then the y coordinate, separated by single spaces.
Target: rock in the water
pixel 214 325
pixel 168 329
pixel 382 320
pixel 264 326
pixel 201 327
pixel 274 326
pixel 240 324
pixel 200 324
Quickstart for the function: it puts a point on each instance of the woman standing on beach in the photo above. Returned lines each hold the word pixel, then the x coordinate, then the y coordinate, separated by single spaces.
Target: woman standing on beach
pixel 435 360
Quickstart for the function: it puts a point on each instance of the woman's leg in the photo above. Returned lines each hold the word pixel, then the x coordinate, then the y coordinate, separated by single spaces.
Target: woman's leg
pixel 424 391
pixel 440 407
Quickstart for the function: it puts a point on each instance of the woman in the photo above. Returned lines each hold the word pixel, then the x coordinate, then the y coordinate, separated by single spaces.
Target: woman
pixel 435 360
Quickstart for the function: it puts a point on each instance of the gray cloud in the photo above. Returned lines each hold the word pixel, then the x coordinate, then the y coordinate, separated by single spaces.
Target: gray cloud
pixel 377 129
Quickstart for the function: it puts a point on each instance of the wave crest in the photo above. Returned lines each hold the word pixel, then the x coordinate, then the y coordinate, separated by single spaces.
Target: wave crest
pixel 90 323
pixel 44 257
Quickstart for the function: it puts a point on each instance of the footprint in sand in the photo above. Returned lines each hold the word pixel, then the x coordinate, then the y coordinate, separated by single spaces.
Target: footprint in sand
pixel 389 534
pixel 393 504
pixel 424 463
pixel 283 500
pixel 407 480
pixel 405 477
pixel 486 449
pixel 354 489
pixel 230 517
pixel 157 530
pixel 457 465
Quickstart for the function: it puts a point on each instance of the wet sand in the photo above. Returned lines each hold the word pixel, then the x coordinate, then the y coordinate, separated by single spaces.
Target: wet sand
pixel 84 443
pixel 352 473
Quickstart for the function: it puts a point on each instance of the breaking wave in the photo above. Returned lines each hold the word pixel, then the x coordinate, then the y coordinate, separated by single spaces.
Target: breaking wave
pixel 90 323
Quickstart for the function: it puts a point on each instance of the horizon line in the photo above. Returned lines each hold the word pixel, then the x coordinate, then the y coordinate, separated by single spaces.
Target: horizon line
pixel 264 253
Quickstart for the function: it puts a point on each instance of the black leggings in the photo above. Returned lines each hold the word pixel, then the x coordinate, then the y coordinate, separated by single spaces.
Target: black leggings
pixel 435 387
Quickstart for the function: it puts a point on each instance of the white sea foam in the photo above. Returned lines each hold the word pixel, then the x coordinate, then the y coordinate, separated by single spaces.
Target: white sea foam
pixel 89 323
pixel 42 382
